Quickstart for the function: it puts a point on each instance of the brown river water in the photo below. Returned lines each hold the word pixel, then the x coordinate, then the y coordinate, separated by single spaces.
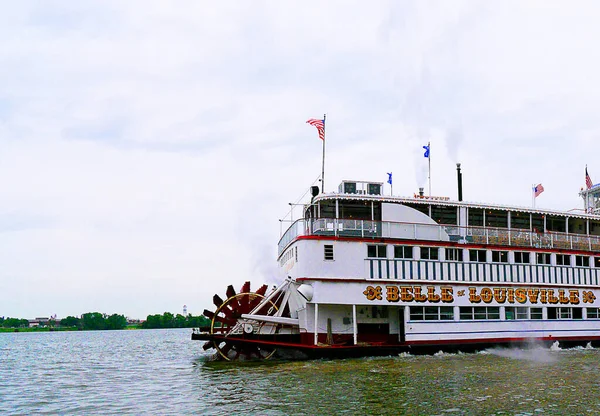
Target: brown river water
pixel 163 372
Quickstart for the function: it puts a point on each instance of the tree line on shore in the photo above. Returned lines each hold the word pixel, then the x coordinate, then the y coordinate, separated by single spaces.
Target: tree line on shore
pixel 102 321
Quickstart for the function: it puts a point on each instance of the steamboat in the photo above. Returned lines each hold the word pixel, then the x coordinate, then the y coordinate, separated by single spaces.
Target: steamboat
pixel 367 274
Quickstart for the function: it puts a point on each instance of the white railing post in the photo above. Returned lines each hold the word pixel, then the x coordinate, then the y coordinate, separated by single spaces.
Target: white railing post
pixel 354 324
pixel 316 323
pixel 362 228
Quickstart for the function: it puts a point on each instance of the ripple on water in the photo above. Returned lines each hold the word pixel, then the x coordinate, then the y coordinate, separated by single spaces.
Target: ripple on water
pixel 164 372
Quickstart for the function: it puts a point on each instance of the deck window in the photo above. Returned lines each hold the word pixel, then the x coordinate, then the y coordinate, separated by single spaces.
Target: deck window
pixel 521 257
pixel 582 261
pixel 454 254
pixel 543 258
pixel 477 256
pixel 536 313
pixel 377 250
pixel 519 220
pixel 518 312
pixel 564 313
pixel 563 260
pixel 593 313
pixel 444 215
pixel 597 262
pixel 475 217
pixel 500 256
pixel 429 253
pixel 403 252
pixel 496 218
pixel 469 313
pixel 431 313
pixel 328 252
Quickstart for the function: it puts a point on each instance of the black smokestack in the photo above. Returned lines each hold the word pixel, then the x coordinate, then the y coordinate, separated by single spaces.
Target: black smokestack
pixel 459 175
pixel 420 191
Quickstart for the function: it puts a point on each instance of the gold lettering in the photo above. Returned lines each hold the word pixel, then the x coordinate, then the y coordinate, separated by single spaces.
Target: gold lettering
pixel 500 294
pixel 373 293
pixel 511 295
pixel 551 298
pixel 521 295
pixel 588 297
pixel 533 295
pixel 544 298
pixel 574 297
pixel 447 295
pixel 562 298
pixel 392 293
pixel 405 295
pixel 419 297
pixel 486 295
pixel 473 296
pixel 431 295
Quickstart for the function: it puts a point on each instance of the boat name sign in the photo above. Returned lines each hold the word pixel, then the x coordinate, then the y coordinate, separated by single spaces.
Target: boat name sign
pixel 501 295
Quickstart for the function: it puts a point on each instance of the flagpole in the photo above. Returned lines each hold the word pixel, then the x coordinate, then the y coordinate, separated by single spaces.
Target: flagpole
pixel 429 158
pixel 323 165
pixel 533 195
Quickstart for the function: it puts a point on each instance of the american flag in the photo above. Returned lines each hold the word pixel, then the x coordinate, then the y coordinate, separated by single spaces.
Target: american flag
pixel 538 190
pixel 588 180
pixel 320 125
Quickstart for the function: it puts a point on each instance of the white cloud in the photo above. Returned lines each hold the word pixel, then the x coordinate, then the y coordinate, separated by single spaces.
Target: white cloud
pixel 149 149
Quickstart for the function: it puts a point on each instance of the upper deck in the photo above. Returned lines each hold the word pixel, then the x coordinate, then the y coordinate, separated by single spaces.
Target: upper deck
pixel 439 219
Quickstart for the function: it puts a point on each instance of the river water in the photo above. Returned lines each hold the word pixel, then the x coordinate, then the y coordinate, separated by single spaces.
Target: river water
pixel 163 372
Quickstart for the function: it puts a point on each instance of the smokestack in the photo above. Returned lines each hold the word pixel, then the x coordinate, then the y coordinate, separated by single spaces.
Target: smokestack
pixel 459 175
pixel 421 191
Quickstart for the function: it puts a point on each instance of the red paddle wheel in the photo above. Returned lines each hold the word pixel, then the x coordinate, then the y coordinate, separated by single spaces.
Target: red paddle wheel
pixel 226 321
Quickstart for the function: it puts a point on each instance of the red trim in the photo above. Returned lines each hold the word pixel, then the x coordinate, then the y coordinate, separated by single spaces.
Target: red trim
pixel 437 282
pixel 426 243
pixel 375 345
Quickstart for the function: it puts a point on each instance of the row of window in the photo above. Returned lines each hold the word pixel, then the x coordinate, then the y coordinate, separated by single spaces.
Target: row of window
pixel 473 313
pixel 480 256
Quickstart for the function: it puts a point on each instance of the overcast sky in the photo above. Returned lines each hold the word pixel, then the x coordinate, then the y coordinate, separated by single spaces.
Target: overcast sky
pixel 148 149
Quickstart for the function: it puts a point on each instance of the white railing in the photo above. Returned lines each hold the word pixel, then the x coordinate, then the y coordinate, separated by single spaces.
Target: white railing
pixel 434 232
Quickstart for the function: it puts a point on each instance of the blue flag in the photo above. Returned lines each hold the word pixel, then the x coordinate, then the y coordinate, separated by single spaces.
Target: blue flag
pixel 390 178
pixel 426 151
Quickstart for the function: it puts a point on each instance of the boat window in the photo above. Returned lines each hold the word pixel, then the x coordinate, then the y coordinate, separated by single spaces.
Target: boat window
pixel 537 223
pixel 328 252
pixel 518 312
pixel 563 260
pixel 521 257
pixel 582 261
pixel 577 313
pixel 429 253
pixel 355 210
pixel 597 262
pixel 403 252
pixel 543 258
pixel 327 209
pixel 560 313
pixel 470 313
pixel 475 217
pixel 594 227
pixel 577 226
pixel 536 313
pixel 519 220
pixel 431 313
pixel 500 256
pixel 454 254
pixel 593 313
pixel 477 256
pixel 377 250
pixel 496 218
pixel 444 215
pixel 556 224
pixel 424 208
